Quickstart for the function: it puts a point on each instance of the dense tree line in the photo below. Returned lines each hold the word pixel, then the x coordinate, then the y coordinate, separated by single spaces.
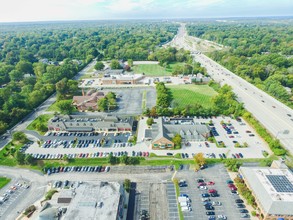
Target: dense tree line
pixel 64 48
pixel 261 53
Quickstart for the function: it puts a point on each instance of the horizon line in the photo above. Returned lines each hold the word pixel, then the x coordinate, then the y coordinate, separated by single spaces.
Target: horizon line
pixel 131 19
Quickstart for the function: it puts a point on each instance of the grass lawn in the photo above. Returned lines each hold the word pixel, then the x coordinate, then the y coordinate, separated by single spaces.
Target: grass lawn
pixel 43 119
pixel 155 69
pixel 4 181
pixel 7 155
pixel 184 95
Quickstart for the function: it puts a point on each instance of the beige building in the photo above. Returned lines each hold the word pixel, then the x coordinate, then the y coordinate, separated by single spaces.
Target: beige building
pixel 122 79
pixel 164 129
pixel 272 189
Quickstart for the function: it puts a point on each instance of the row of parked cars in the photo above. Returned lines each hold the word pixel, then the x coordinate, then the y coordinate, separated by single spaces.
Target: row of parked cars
pixel 89 155
pixel 237 155
pixel 238 202
pixel 207 202
pixel 77 169
pixel 12 189
pixel 75 134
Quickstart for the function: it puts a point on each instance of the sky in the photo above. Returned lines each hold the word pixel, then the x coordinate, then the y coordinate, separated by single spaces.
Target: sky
pixel 52 10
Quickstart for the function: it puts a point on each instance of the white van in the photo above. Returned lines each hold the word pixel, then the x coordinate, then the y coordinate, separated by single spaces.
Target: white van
pixel 186 209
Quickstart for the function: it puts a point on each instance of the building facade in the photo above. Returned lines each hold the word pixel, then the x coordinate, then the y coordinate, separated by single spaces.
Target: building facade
pixel 106 124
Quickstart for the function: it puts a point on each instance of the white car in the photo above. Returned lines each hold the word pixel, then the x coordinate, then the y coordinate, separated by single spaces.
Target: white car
pixel 221 217
pixel 203 188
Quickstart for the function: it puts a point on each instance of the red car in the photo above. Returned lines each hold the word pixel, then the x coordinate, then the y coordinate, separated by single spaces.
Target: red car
pixel 212 191
pixel 147 154
pixel 211 183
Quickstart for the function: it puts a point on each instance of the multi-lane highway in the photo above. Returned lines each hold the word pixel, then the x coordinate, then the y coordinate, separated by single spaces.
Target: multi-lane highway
pixel 274 115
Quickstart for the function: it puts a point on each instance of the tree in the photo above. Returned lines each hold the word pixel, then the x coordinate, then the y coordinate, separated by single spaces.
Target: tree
pixel 233 165
pixel 99 65
pixel 127 185
pixel 130 62
pixel 20 157
pixel 15 75
pixel 65 106
pixel 29 159
pixel 24 67
pixel 115 64
pixel 19 137
pixel 112 160
pixel 150 121
pixel 177 140
pixel 199 159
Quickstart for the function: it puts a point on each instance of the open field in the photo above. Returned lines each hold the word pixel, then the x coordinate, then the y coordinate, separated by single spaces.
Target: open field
pixel 155 69
pixel 4 181
pixel 184 95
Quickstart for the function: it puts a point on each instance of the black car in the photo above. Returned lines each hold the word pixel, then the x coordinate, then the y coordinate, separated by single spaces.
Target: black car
pixel 240 205
pixel 169 154
pixel 224 155
pixel 243 211
pixel 66 183
pixel 209 207
pixel 210 213
pixel 239 201
pixel 183 155
pixel 215 195
pixel 182 184
pixel 200 180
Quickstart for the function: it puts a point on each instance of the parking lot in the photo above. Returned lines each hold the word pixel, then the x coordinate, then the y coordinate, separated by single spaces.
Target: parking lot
pixel 219 176
pixel 130 100
pixel 10 194
pixel 172 201
pixel 151 197
pixel 236 132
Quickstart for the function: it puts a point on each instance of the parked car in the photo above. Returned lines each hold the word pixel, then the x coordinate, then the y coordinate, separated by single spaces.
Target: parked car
pixel 211 183
pixel 210 213
pixel 239 201
pixel 204 195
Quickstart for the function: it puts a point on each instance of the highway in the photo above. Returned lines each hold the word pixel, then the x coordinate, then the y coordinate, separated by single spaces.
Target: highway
pixel 274 115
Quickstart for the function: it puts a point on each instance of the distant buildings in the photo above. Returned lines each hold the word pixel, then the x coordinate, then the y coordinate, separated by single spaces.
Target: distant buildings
pixel 77 123
pixel 163 130
pixel 89 101
pixel 273 190
pixel 120 79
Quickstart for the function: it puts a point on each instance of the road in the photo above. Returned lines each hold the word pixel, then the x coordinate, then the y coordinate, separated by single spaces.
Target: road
pixel 39 183
pixel 21 126
pixel 274 115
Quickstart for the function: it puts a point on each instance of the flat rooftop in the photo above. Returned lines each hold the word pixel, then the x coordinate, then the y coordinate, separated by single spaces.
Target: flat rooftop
pixel 95 201
pixel 273 188
pixel 277 182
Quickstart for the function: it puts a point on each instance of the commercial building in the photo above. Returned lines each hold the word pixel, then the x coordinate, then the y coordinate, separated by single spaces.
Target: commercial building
pixel 164 129
pixel 77 123
pixel 99 200
pixel 272 189
pixel 120 79
pixel 88 101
